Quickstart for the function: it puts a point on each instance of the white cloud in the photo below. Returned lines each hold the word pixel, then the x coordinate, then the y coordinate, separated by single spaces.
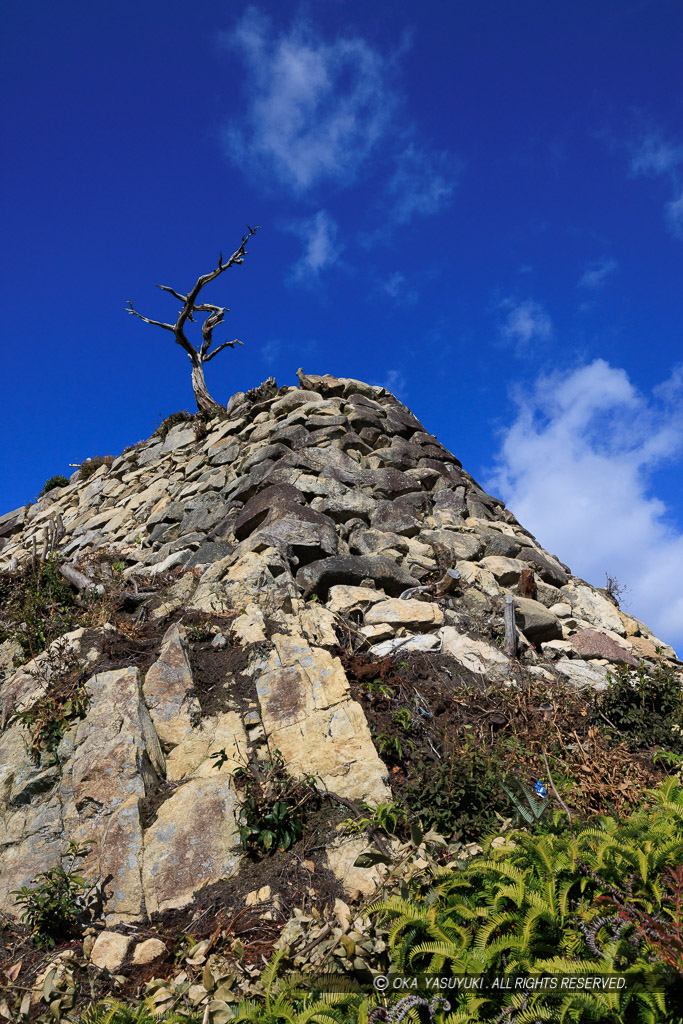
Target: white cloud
pixel 271 350
pixel 394 381
pixel 525 323
pixel 574 468
pixel 398 289
pixel 674 216
pixel 321 248
pixel 596 274
pixel 654 155
pixel 421 184
pixel 315 110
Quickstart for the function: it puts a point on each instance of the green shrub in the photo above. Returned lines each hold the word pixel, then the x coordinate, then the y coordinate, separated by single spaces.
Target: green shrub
pixel 460 791
pixel 63 698
pixel 92 465
pixel 644 706
pixel 556 904
pixel 39 606
pixel 274 805
pixel 171 421
pixel 54 481
pixel 54 902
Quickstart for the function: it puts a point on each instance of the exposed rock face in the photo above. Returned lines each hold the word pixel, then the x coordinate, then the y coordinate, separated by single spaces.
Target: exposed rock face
pixel 306 508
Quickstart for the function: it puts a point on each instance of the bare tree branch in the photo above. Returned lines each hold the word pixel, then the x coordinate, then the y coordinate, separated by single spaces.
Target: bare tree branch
pixel 226 344
pixel 216 313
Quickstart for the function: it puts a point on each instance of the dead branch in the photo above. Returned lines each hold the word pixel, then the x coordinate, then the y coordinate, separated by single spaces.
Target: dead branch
pixel 203 354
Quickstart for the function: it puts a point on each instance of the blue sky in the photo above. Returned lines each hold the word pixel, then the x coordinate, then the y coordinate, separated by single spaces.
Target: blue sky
pixel 477 204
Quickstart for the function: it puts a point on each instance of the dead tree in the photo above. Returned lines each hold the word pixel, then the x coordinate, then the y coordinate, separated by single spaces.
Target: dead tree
pixel 203 354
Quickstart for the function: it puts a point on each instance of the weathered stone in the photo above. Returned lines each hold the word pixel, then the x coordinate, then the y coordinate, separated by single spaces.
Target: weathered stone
pixel 536 622
pixel 192 843
pixel 377 542
pixel 265 507
pixel 212 551
pixel 547 568
pixel 506 570
pixel 583 674
pixel 309 716
pixel 418 615
pixel 590 644
pixel 169 690
pixel 456 546
pixel 595 609
pixel 474 655
pixel 110 950
pixel 304 535
pixel 401 645
pixel 348 599
pixel 147 951
pixel 498 543
pixel 328 572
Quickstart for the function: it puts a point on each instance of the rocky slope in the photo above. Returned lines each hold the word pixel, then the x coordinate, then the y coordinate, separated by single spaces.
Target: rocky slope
pixel 248 551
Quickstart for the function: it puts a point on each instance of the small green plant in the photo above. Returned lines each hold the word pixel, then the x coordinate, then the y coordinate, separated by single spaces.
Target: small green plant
pixel 390 817
pixel 38 605
pixel 403 719
pixel 54 481
pixel 393 747
pixel 377 688
pixel 91 466
pixel 171 421
pixel 532 807
pixel 274 804
pixel 644 705
pixel 56 899
pixel 459 791
pixel 64 698
pixel 118 567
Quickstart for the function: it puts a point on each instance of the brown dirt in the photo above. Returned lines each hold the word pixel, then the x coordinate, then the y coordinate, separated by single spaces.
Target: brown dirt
pixel 219 677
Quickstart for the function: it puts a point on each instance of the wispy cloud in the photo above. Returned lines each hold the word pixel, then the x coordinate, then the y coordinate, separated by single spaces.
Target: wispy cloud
pixel 315 110
pixel 421 184
pixel 674 216
pixel 394 381
pixel 656 156
pixel 596 274
pixel 320 246
pixel 524 324
pixel 397 288
pixel 575 467
pixel 328 111
pixel 271 350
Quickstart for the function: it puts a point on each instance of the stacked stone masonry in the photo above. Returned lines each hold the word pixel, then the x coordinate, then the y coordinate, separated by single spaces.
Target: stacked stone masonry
pixel 305 505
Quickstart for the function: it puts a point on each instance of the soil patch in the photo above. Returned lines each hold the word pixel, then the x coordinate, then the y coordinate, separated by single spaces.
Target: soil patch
pixel 219 677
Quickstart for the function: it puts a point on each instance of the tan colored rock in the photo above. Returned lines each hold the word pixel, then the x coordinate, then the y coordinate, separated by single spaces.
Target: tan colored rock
pixel 192 757
pixel 250 627
pixel 308 715
pixel 643 648
pixel 147 951
pixel 418 615
pixel 110 950
pixel 341 855
pixel 169 689
pixel 472 573
pixel 348 599
pixel 593 608
pixel 177 596
pixel 376 633
pixel 460 545
pixel 506 570
pixel 561 610
pixel 192 843
pixel 474 654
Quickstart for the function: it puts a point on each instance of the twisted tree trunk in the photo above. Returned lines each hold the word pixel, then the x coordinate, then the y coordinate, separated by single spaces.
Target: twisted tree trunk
pixel 203 354
pixel 205 403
